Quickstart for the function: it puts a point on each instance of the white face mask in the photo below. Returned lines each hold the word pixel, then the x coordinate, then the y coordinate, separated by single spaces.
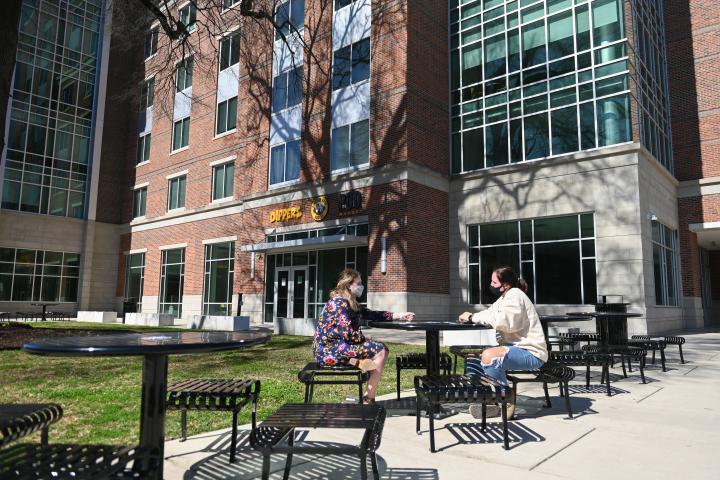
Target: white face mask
pixel 357 290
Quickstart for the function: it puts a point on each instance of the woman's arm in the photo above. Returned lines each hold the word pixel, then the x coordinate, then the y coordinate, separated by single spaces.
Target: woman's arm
pixel 503 318
pixel 375 315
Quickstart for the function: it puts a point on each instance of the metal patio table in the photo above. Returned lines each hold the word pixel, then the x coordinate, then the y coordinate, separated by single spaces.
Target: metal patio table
pixel 432 342
pixel 612 326
pixel 44 307
pixel 546 319
pixel 155 348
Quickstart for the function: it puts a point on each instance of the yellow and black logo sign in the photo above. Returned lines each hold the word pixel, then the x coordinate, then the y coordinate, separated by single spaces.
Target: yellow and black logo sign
pixel 285 214
pixel 319 209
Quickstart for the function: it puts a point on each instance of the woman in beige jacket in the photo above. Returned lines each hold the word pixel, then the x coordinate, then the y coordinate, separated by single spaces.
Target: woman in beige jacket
pixel 514 318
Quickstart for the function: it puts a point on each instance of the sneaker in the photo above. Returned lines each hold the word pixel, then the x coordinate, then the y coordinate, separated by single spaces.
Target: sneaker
pixel 491 411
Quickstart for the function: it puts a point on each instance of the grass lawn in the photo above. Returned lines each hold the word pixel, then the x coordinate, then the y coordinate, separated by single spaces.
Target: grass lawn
pixel 101 396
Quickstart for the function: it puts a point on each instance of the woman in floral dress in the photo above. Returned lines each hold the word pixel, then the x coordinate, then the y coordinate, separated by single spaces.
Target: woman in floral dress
pixel 338 338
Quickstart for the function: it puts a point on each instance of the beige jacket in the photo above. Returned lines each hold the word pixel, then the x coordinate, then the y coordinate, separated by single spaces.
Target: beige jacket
pixel 514 317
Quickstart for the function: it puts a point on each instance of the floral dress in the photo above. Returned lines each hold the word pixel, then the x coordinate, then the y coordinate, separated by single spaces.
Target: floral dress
pixel 338 337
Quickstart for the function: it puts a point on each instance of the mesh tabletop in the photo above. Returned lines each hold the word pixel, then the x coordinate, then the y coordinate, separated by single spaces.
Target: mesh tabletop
pixel 564 318
pixel 159 343
pixel 319 415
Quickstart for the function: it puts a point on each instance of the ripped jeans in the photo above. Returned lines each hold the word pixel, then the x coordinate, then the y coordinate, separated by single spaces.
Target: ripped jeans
pixel 516 358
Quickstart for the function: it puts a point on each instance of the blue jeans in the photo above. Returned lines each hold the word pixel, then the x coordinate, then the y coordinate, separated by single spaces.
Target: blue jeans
pixel 515 359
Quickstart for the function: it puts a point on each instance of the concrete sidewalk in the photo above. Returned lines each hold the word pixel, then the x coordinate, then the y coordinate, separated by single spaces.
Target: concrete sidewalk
pixel 667 428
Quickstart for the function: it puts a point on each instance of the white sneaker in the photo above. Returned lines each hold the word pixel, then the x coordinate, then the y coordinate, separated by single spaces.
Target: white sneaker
pixel 476 411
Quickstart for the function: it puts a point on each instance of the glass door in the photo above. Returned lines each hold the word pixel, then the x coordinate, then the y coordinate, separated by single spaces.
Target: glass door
pixel 291 292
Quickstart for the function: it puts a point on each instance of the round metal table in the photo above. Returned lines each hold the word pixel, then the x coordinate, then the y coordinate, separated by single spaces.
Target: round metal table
pixel 44 307
pixel 155 348
pixel 612 326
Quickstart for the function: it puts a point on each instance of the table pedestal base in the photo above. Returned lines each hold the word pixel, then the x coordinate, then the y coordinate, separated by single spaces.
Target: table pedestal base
pixel 152 416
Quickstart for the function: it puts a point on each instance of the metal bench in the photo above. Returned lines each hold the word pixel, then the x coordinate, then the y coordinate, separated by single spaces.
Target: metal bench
pixel 418 361
pixel 268 436
pixel 668 340
pixel 585 359
pixel 315 373
pixel 627 353
pixel 215 395
pixel 77 462
pixel 28 316
pixel 19 420
pixel 571 338
pixel 548 373
pixel 651 345
pixel 434 390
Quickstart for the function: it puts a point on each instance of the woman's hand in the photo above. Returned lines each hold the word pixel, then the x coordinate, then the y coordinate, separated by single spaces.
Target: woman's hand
pixel 465 317
pixel 404 316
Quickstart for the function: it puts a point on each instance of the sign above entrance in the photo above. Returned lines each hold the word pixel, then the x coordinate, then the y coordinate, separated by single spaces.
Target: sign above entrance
pixel 319 209
pixel 285 214
pixel 350 201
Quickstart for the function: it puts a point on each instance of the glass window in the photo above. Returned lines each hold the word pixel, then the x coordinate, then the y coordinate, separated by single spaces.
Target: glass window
pixel 664 242
pixel 287 89
pixel 555 255
pixel 139 201
pixel 187 16
pixel 564 130
pixel 151 39
pixel 536 136
pixel 184 74
pixel 560 35
pixel 172 273
pixel 607 21
pixel 176 192
pixel 534 44
pixel 350 145
pixel 472 64
pixel 285 162
pixel 218 281
pixel 230 51
pixel 223 177
pixel 351 64
pixel 496 144
pixel 495 56
pixel 342 3
pixel 613 120
pixel 181 133
pixel 226 116
pixel 148 93
pixel 37 275
pixel 290 17
pixel 143 148
pixel 134 279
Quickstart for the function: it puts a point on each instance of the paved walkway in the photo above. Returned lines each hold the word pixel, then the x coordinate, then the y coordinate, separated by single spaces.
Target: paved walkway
pixel 668 428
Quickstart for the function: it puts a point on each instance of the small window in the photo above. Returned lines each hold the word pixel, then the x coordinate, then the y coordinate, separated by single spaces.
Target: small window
pixel 184 74
pixel 143 149
pixel 187 16
pixel 287 89
pixel 229 3
pixel 176 192
pixel 181 133
pixel 664 243
pixel 342 3
pixel 351 64
pixel 289 17
pixel 151 39
pixel 223 176
pixel 139 201
pixel 230 51
pixel 226 116
pixel 148 94
pixel 350 145
pixel 285 162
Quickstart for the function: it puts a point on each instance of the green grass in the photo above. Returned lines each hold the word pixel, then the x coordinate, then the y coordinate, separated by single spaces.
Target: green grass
pixel 101 396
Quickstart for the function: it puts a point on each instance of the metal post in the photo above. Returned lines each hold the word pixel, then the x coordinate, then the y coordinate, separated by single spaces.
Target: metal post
pixel 152 416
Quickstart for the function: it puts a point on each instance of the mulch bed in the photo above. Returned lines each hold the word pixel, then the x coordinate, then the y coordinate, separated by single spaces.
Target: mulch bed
pixel 14 335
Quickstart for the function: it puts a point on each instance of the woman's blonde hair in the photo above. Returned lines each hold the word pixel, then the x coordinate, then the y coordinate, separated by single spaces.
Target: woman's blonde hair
pixel 342 289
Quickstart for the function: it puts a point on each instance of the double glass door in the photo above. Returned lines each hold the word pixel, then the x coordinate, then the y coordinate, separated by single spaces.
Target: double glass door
pixel 291 286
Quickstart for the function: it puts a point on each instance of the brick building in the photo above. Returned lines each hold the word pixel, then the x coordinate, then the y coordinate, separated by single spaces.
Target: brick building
pixel 423 143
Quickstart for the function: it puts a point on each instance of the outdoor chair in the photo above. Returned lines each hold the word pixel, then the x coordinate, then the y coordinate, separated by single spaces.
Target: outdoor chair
pixel 19 420
pixel 549 373
pixel 268 436
pixel 669 340
pixel 418 361
pixel 315 373
pixel 434 390
pixel 587 360
pixel 215 395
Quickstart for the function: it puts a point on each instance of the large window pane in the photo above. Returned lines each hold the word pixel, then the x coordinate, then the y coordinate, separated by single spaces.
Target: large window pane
pixel 496 144
pixel 340 147
pixel 277 164
pixel 472 64
pixel 536 136
pixel 564 130
pixel 607 21
pixel 534 44
pixel 292 170
pixel 560 35
pixel 495 56
pixel 361 60
pixel 557 228
pixel 473 149
pixel 613 120
pixel 556 264
pixel 498 233
pixel 360 143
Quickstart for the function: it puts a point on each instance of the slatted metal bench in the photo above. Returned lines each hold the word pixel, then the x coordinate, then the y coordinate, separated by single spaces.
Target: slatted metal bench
pixel 76 462
pixel 651 345
pixel 548 373
pixel 668 340
pixel 434 390
pixel 19 420
pixel 627 353
pixel 269 435
pixel 418 361
pixel 315 373
pixel 575 358
pixel 216 395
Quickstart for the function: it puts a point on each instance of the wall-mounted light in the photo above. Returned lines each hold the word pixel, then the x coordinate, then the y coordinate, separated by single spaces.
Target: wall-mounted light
pixel 653 217
pixel 383 255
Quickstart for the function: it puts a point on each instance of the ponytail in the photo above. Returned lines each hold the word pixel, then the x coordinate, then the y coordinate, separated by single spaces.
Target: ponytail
pixel 507 275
